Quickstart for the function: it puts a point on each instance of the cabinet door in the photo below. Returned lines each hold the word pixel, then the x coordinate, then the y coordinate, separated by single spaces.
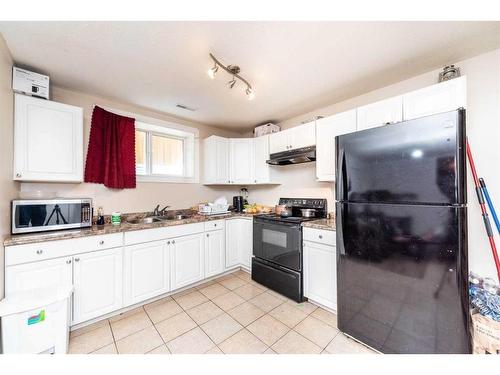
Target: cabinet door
pixel 214 253
pixel 380 113
pixel 146 271
pixel 442 97
pixel 35 275
pixel 232 243
pixel 326 130
pixel 186 260
pixel 246 242
pixel 221 160
pixel 48 141
pixel 261 155
pixel 303 135
pixel 320 274
pixel 279 142
pixel 97 279
pixel 241 160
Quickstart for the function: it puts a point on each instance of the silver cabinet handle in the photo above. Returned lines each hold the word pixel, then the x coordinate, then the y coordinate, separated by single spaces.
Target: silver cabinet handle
pixel 18 175
pixel 255 181
pixel 320 236
pixel 77 259
pixel 215 225
pixel 173 241
pixel 208 235
pixel 168 242
pixel 39 252
pixel 101 242
pixel 68 261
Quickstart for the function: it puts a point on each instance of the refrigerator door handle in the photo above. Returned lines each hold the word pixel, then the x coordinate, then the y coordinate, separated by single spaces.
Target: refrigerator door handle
pixel 341 187
pixel 339 228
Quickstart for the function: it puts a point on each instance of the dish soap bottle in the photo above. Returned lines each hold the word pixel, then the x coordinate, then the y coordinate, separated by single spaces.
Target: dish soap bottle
pixel 100 216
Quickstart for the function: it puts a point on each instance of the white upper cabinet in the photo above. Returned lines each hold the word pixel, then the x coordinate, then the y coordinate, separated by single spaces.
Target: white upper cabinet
pixel 216 160
pixel 384 112
pixel 48 141
pixel 303 135
pixel 441 97
pixel 327 129
pixel 263 173
pixel 297 137
pixel 241 162
pixel 146 271
pixel 279 141
pixel 97 279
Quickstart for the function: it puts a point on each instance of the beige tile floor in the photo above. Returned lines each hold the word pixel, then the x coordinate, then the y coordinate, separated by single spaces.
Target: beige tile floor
pixel 231 314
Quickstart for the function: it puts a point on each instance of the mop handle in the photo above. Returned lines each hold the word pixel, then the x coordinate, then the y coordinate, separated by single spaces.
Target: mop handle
pixel 486 219
pixel 490 204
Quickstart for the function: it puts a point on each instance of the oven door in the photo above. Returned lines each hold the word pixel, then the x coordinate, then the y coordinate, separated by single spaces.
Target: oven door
pixel 279 243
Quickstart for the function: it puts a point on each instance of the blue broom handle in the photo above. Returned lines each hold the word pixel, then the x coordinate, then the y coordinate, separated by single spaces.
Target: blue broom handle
pixel 490 204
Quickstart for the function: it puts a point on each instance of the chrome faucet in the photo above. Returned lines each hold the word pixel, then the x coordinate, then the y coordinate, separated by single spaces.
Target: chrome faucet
pixel 158 212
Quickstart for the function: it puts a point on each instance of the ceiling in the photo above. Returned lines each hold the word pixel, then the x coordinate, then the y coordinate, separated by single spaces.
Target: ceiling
pixel 294 67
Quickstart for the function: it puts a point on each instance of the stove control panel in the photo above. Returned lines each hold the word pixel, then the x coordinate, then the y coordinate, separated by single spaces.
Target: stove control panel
pixel 304 202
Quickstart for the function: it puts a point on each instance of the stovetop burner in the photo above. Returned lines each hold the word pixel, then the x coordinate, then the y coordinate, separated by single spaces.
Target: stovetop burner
pixel 296 204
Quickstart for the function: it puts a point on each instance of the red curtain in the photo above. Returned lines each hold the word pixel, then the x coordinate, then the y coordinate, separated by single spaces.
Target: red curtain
pixel 111 151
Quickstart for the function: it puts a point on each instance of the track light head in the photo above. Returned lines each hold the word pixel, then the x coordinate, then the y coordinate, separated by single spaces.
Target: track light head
pixel 250 93
pixel 213 71
pixel 231 83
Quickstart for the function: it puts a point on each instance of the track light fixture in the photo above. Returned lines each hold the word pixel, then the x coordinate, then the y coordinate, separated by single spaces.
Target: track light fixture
pixel 234 70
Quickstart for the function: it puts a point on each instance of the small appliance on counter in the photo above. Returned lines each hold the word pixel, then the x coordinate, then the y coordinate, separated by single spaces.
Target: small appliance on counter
pixel 40 215
pixel 277 245
pixel 244 194
pixel 238 204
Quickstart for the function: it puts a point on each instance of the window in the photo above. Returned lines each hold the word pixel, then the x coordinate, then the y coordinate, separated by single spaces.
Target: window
pixel 165 154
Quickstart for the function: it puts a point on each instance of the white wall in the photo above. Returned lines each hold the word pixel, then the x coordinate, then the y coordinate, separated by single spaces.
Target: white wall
pixel 147 194
pixel 8 188
pixel 483 128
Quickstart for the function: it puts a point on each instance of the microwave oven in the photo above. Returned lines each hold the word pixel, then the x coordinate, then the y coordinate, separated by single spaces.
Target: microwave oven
pixel 40 215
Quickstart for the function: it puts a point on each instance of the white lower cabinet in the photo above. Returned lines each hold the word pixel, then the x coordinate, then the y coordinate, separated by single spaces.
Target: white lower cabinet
pixel 246 242
pixel 320 273
pixel 186 260
pixel 239 242
pixel 232 243
pixel 97 279
pixel 214 253
pixel 146 271
pixel 40 274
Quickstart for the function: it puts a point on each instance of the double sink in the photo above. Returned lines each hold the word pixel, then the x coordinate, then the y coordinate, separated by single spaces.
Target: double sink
pixel 156 219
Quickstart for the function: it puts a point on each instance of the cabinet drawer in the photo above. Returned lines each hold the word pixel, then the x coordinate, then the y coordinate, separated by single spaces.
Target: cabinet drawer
pixel 214 225
pixel 157 234
pixel 54 249
pixel 326 237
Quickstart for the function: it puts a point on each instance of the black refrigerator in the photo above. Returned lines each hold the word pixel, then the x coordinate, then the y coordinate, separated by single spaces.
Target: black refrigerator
pixel 402 236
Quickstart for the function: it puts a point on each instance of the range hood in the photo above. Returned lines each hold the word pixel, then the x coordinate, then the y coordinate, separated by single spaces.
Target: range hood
pixel 297 156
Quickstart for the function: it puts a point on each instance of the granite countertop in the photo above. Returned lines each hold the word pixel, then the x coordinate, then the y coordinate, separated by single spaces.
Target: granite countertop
pixel 326 224
pixel 22 239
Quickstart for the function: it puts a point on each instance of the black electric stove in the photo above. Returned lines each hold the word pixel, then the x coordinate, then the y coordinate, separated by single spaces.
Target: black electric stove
pixel 277 247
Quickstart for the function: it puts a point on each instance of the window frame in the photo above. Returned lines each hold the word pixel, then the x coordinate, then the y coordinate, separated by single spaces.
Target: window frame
pixel 169 129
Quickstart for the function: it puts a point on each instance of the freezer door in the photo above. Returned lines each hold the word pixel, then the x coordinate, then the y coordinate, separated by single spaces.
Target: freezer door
pixel 419 161
pixel 402 277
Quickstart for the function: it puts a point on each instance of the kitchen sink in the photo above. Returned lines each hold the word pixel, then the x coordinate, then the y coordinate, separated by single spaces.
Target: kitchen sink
pixel 144 220
pixel 176 217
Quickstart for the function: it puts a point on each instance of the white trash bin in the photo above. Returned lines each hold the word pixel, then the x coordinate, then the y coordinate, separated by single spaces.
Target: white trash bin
pixel 36 321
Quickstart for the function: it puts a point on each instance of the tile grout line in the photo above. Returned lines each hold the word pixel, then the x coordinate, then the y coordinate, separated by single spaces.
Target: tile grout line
pixel 156 329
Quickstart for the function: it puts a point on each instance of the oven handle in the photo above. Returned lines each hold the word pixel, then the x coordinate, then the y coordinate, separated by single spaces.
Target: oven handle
pixel 268 222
